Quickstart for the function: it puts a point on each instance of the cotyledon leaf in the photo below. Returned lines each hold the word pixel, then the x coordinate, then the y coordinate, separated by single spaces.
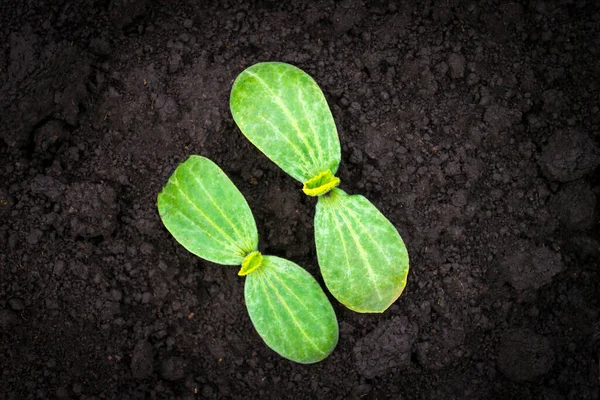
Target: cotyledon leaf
pixel 207 214
pixel 363 259
pixel 290 311
pixel 284 113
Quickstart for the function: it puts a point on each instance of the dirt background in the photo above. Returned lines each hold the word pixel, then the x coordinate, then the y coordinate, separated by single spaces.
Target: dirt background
pixel 472 125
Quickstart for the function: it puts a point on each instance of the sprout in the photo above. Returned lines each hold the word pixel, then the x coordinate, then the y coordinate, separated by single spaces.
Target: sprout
pixel 283 112
pixel 207 215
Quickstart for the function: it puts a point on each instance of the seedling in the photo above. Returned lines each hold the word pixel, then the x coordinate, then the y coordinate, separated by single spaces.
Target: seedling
pixel 283 112
pixel 208 216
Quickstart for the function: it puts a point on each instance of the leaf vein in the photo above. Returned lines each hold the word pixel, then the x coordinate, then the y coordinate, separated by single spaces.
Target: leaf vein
pixel 286 111
pixel 367 233
pixel 266 294
pixel 175 182
pixel 214 203
pixel 290 291
pixel 292 145
pixel 296 323
pixel 198 226
pixel 312 127
pixel 361 251
pixel 343 240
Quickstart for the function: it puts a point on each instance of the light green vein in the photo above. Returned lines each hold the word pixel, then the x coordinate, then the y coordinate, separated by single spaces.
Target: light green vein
pixel 311 125
pixel 292 145
pixel 286 112
pixel 266 295
pixel 366 231
pixel 290 291
pixel 195 223
pixel 339 229
pixel 361 250
pixel 210 221
pixel 281 299
pixel 214 203
pixel 331 137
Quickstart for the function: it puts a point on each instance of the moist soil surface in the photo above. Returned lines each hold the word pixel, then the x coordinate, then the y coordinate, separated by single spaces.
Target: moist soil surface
pixel 473 126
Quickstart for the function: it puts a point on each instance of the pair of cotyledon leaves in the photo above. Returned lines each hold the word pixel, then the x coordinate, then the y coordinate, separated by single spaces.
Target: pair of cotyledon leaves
pixel 362 258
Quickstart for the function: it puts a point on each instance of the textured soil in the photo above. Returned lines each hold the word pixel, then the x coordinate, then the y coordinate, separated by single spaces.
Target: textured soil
pixel 472 125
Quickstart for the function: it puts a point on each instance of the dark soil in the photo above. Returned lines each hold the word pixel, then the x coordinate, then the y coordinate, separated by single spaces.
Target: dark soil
pixel 472 125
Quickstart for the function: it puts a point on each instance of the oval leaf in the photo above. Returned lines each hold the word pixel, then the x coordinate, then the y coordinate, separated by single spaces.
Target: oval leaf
pixel 363 259
pixel 290 311
pixel 207 214
pixel 283 112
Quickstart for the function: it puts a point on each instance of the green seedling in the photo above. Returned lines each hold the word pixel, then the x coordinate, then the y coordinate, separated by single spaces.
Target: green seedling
pixel 207 215
pixel 283 112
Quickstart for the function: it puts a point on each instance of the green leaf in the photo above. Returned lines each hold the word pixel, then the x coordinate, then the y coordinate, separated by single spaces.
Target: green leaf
pixel 363 259
pixel 207 214
pixel 290 311
pixel 283 112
